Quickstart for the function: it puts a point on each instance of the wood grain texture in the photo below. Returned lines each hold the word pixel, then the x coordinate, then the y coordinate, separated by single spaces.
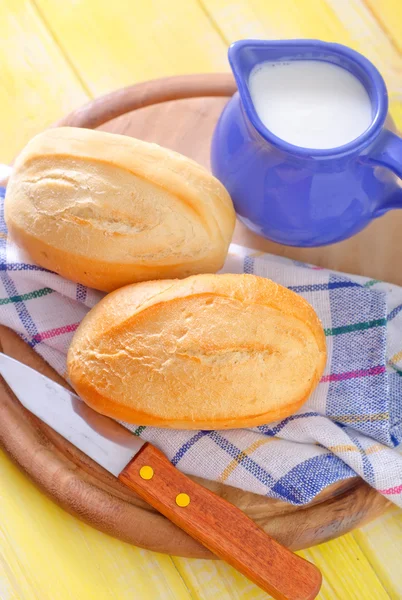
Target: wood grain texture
pixel 222 528
pixel 350 22
pixel 347 572
pixel 73 480
pixel 176 124
pixel 152 93
pixel 388 14
pixel 91 494
pixel 45 553
pixel 380 541
pixel 129 42
pixel 37 84
pixel 83 488
pixel 347 575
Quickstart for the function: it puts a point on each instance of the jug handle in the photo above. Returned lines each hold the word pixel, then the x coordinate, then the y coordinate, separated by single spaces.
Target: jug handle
pixel 388 154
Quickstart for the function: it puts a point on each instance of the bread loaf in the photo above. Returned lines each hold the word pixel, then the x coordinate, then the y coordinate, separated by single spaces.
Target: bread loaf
pixel 107 210
pixel 207 352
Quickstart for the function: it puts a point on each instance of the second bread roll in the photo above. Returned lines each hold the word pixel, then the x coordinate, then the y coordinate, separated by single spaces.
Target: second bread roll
pixel 208 352
pixel 107 210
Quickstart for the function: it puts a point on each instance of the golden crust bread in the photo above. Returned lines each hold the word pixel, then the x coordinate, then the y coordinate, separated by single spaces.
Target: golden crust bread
pixel 106 210
pixel 207 352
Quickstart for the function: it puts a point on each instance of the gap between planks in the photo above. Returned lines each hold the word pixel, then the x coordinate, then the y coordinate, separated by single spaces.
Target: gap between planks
pixel 63 53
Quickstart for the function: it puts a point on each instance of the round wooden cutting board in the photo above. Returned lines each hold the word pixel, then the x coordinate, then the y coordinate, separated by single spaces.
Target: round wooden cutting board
pixel 181 113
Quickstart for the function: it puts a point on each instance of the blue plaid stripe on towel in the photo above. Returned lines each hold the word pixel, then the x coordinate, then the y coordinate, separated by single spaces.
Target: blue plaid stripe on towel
pixel 351 424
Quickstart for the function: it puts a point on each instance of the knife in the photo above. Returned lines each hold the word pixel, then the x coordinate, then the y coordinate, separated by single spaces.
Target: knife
pixel 217 524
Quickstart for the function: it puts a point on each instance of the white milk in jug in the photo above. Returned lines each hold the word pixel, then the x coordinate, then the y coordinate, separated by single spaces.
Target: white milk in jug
pixel 310 103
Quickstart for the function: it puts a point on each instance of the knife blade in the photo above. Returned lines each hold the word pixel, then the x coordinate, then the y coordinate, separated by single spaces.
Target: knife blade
pixel 213 521
pixel 105 441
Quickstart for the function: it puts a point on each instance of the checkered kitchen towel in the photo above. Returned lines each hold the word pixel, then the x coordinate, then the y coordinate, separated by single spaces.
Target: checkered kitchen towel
pixel 351 424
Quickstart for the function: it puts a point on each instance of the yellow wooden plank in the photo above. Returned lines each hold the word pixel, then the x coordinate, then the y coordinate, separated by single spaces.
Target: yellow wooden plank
pixel 389 14
pixel 215 580
pixel 347 573
pixel 37 84
pixel 119 42
pixel 45 554
pixel 381 542
pixel 348 22
pixel 372 40
pixel 112 44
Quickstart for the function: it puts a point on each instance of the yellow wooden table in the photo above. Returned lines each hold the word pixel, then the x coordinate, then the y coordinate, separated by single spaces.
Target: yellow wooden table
pixel 56 55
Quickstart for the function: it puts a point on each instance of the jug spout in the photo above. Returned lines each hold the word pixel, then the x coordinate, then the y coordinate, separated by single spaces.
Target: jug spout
pixel 245 56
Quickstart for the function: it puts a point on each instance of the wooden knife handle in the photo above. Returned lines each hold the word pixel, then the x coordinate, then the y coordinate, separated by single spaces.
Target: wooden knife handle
pixel 221 527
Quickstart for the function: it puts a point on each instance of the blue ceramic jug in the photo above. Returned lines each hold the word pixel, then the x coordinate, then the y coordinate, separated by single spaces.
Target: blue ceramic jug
pixel 299 196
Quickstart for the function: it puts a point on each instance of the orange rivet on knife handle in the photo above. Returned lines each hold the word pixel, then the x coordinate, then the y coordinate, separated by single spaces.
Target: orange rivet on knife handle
pixel 221 527
pixel 146 472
